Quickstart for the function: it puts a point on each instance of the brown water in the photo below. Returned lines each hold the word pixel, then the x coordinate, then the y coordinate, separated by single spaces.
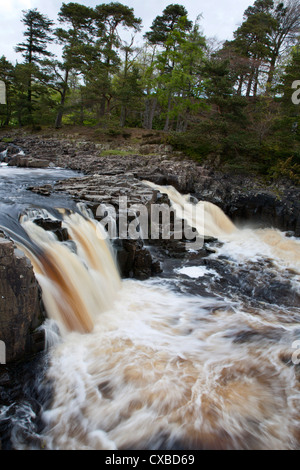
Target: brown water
pixel 140 365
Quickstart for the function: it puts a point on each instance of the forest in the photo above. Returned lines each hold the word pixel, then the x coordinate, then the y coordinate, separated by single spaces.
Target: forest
pixel 233 104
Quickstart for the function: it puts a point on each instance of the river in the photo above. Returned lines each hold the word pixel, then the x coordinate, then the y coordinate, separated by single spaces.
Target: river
pixel 203 356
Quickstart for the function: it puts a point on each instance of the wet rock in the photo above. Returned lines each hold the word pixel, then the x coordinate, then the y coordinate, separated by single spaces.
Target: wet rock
pixel 41 190
pixel 22 161
pixel 11 150
pixel 21 311
pixel 134 260
pixel 48 224
pixel 54 226
pixel 24 391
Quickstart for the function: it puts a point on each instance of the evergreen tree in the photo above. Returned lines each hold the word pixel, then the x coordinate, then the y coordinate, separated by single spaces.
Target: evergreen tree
pixel 179 82
pixel 252 42
pixel 77 40
pixel 109 18
pixel 128 85
pixel 167 32
pixel 164 24
pixel 38 34
pixel 284 35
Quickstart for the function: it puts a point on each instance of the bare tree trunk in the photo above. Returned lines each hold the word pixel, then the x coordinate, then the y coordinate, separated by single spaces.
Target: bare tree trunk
pixel 249 87
pixel 152 113
pixel 271 71
pixel 241 81
pixel 58 122
pixel 256 82
pixel 149 114
pixel 123 116
pixel 146 114
pixel 167 123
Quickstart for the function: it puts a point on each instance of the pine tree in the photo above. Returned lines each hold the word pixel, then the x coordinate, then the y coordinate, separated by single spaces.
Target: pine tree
pixel 287 16
pixel 77 39
pixel 167 32
pixel 164 24
pixel 38 35
pixel 109 18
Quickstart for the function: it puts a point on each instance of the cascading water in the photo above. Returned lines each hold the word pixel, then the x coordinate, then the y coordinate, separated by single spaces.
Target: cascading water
pixel 210 220
pixel 76 286
pixel 161 368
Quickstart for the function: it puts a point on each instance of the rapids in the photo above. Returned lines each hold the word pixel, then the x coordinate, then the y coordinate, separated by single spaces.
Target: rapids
pixel 160 364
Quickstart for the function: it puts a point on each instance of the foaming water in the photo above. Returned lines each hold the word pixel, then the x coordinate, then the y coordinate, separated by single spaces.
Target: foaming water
pixel 141 366
pixel 161 370
pixel 207 218
pixel 79 285
pixel 241 244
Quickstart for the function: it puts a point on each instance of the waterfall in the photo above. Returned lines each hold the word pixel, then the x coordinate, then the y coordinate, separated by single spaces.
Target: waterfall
pixel 77 286
pixel 209 220
pixel 145 365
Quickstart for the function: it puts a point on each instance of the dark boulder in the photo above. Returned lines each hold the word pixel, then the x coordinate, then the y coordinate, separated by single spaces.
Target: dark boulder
pixel 135 260
pixel 21 309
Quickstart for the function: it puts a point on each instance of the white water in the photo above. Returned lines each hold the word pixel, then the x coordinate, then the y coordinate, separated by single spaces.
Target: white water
pixel 76 286
pixel 240 244
pixel 159 369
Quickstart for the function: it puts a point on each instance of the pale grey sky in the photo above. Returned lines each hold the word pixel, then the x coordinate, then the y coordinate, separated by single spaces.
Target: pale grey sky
pixel 220 17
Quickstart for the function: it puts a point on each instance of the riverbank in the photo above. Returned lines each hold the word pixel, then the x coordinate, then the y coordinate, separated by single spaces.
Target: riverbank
pixel 137 155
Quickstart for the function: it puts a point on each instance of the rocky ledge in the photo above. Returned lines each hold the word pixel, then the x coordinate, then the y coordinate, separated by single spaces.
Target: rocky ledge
pixel 243 198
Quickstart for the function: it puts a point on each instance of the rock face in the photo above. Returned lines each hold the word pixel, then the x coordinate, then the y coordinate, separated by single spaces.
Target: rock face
pixel 21 312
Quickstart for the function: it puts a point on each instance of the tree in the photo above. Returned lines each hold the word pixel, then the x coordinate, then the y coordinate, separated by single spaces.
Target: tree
pixel 284 34
pixel 128 86
pixel 164 24
pixel 167 32
pixel 109 18
pixel 149 78
pixel 38 35
pixel 269 29
pixel 289 108
pixel 78 48
pixel 179 80
pixel 252 42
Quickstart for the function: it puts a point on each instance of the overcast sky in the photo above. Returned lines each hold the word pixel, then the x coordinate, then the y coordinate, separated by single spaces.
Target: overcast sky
pixel 220 17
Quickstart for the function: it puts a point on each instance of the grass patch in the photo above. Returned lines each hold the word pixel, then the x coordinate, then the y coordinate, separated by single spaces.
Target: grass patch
pixel 117 152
